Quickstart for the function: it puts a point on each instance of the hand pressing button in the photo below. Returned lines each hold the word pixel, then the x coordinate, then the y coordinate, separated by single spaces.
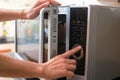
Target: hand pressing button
pixel 81 53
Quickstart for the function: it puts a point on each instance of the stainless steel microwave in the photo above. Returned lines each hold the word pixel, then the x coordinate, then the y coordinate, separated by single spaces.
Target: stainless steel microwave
pixel 95 27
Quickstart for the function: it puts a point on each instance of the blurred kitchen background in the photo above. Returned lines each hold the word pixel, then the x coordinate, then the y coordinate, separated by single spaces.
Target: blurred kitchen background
pixel 7 28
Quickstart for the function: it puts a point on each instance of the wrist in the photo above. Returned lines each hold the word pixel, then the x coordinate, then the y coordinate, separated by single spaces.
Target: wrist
pixel 45 72
pixel 23 14
pixel 40 71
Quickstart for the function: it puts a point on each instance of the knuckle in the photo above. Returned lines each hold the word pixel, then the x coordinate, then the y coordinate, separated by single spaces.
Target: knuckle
pixel 63 60
pixel 71 74
pixel 75 61
pixel 74 67
pixel 64 66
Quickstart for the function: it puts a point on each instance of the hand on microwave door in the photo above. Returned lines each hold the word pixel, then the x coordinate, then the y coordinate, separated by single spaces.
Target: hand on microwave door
pixel 30 13
pixel 59 66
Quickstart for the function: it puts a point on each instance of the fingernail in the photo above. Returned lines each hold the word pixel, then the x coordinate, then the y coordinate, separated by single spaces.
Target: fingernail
pixel 79 47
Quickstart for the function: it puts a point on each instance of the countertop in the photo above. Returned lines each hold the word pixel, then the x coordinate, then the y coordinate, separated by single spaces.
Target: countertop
pixel 4 40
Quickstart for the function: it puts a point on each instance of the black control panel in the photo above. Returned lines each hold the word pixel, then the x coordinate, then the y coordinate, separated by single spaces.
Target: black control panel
pixel 78 33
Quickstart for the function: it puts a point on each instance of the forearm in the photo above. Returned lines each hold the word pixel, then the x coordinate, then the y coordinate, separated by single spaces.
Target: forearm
pixel 9 14
pixel 10 67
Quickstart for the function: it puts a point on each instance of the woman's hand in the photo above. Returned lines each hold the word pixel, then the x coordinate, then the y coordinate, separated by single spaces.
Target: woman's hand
pixel 61 66
pixel 35 9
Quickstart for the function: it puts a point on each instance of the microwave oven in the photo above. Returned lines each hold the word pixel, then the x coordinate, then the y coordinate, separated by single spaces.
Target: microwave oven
pixel 96 29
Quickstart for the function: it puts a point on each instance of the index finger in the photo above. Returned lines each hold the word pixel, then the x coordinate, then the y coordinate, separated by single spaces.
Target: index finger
pixel 71 52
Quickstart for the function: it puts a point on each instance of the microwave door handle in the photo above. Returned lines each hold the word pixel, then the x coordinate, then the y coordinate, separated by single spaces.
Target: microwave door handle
pixel 52 31
pixel 52 24
pixel 41 34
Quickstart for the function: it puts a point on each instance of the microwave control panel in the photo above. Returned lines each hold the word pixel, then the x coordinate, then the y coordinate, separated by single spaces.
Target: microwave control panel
pixel 77 36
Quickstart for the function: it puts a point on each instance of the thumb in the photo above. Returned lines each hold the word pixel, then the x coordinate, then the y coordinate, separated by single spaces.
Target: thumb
pixel 71 52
